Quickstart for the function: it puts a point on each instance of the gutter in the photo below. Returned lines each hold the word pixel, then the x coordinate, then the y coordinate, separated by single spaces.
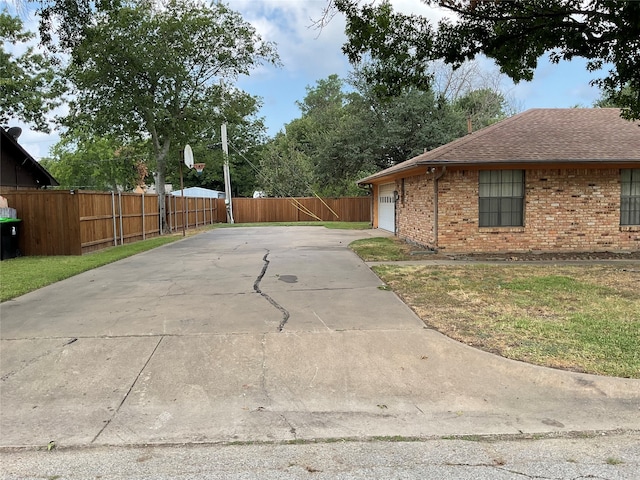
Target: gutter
pixel 575 163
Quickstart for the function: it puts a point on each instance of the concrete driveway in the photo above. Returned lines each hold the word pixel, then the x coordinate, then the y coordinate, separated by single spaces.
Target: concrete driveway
pixel 264 334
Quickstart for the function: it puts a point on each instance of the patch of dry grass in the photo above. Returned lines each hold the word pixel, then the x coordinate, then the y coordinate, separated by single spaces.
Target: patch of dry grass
pixel 581 318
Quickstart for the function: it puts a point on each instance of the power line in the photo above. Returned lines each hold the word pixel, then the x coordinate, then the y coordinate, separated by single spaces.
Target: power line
pixel 297 204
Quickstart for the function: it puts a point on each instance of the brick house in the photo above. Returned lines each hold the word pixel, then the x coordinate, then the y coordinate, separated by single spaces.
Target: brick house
pixel 545 180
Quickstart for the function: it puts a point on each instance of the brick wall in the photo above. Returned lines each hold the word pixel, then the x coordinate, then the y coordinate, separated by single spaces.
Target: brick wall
pixel 565 210
pixel 415 210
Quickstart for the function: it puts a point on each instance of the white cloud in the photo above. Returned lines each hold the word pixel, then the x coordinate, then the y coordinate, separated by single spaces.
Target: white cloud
pixel 303 49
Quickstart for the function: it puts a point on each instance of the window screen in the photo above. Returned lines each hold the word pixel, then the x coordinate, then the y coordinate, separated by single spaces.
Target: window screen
pixel 630 196
pixel 501 202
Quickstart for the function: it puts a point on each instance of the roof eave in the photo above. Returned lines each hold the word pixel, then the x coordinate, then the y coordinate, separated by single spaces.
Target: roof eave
pixel 418 165
pixel 42 175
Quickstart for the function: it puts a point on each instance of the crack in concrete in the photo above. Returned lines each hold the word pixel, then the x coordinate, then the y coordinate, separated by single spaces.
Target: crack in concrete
pixel 496 464
pixel 132 335
pixel 263 380
pixel 108 422
pixel 540 477
pixel 37 358
pixel 256 288
pixel 583 382
pixel 292 429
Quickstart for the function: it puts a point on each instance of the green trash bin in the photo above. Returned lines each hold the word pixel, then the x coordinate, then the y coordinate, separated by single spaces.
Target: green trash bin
pixel 10 231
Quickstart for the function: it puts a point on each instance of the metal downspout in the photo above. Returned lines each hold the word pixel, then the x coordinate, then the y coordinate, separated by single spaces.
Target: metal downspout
pixel 435 206
pixel 371 206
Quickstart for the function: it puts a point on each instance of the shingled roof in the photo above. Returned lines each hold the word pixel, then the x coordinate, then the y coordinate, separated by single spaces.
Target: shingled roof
pixel 576 135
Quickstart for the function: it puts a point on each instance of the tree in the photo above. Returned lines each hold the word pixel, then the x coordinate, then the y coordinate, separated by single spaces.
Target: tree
pixel 397 47
pixel 513 33
pixel 97 163
pixel 143 71
pixel 67 20
pixel 613 98
pixel 394 129
pixel 347 134
pixel 475 92
pixel 365 132
pixel 246 138
pixel 29 85
pixel 481 107
pixel 285 170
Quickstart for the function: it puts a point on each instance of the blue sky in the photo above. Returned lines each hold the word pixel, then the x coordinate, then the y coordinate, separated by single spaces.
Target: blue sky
pixel 309 55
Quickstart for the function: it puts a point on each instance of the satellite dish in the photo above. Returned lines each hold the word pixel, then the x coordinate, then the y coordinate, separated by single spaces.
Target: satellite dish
pixel 15 132
pixel 188 156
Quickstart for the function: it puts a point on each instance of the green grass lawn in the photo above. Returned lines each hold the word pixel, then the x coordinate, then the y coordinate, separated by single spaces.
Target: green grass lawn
pixel 25 274
pixel 381 249
pixel 583 318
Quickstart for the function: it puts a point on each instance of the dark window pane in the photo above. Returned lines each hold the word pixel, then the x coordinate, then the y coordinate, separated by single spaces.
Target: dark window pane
pixel 501 195
pixel 630 196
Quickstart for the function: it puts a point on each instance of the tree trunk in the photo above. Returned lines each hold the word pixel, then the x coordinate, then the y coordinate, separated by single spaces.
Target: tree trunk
pixel 161 170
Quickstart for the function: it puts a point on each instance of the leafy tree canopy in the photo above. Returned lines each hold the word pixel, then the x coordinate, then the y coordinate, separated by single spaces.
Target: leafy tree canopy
pixel 246 138
pixel 349 131
pixel 69 20
pixel 285 169
pixel 84 161
pixel 514 33
pixel 29 85
pixel 145 71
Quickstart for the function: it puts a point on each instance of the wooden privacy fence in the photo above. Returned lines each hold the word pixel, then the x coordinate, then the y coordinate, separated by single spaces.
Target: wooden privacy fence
pixel 343 209
pixel 197 212
pixel 111 219
pixel 62 222
pixel 204 211
pixel 50 223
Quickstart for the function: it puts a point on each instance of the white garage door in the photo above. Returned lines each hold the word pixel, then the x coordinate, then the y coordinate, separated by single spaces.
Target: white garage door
pixel 386 208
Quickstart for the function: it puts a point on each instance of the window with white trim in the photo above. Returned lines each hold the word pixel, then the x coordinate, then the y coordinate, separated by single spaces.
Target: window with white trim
pixel 630 196
pixel 501 198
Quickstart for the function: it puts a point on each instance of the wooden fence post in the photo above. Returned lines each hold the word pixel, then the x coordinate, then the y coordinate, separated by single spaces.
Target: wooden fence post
pixel 168 203
pixel 113 213
pixel 120 214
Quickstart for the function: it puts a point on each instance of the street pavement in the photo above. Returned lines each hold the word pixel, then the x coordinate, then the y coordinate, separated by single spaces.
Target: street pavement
pixel 279 339
pixel 598 457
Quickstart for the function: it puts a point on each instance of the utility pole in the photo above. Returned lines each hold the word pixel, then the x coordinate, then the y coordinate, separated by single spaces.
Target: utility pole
pixel 227 176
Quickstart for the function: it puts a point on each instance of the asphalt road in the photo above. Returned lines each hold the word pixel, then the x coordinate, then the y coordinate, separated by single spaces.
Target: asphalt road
pixel 598 457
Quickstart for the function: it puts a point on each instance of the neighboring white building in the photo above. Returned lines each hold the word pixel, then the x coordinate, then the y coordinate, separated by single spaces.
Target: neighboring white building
pixel 151 189
pixel 198 192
